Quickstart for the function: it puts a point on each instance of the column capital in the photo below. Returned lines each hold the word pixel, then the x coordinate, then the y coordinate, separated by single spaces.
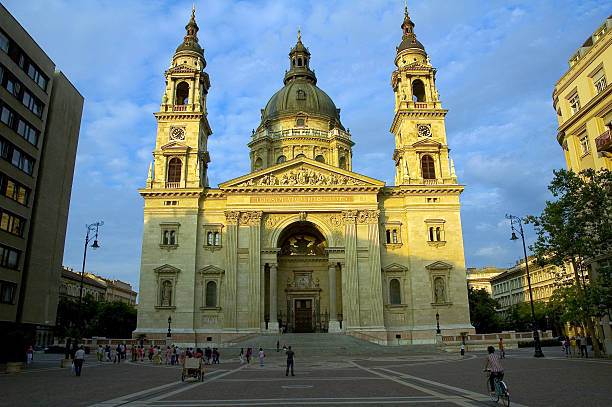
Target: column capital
pixel 231 217
pixel 251 218
pixel 349 216
pixel 368 216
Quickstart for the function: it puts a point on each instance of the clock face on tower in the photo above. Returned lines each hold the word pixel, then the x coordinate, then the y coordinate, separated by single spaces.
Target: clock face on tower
pixel 424 130
pixel 177 133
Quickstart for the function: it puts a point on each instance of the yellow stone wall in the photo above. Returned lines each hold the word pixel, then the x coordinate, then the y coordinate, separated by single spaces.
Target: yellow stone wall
pixel 594 116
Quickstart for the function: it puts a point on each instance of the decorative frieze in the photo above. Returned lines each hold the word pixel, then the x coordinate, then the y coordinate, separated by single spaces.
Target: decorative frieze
pixel 300 177
pixel 250 218
pixel 368 216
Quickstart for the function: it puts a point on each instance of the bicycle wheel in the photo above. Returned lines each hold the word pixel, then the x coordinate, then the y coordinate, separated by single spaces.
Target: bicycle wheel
pixel 492 394
pixel 504 395
pixel 505 399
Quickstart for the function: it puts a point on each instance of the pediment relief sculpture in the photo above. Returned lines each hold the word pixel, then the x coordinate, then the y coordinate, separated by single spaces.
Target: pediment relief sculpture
pixel 302 176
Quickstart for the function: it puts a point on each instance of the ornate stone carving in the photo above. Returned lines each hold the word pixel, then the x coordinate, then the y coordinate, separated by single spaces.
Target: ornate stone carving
pixel 272 220
pixel 303 215
pixel 231 217
pixel 251 218
pixel 336 221
pixel 349 216
pixel 301 176
pixel 368 216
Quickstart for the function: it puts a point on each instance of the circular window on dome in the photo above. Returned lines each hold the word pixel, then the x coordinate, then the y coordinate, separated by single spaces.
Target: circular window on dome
pixel 301 95
pixel 300 122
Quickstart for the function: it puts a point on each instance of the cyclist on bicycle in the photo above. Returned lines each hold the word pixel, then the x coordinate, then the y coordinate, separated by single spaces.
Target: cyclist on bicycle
pixel 494 365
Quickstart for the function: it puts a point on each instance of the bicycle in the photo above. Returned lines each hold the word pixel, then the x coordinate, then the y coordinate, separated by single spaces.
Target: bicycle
pixel 501 390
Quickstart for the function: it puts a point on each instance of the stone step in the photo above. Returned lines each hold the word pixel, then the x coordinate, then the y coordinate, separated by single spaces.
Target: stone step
pixel 327 344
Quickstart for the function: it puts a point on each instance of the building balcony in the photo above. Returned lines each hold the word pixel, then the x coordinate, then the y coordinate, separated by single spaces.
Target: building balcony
pixel 604 142
pixel 173 185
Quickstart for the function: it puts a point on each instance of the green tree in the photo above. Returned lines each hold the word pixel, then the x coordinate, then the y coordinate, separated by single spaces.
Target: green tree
pixel 574 227
pixel 483 314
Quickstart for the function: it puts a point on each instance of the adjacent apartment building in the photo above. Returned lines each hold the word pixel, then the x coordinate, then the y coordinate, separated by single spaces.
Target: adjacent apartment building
pixel 40 117
pixel 480 279
pixel 583 101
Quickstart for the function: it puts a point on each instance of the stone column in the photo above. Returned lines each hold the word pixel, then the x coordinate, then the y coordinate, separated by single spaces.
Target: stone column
pixel 371 219
pixel 350 277
pixel 253 220
pixel 273 324
pixel 333 325
pixel 230 305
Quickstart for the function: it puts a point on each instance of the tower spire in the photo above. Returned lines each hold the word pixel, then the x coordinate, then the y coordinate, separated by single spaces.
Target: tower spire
pixel 299 34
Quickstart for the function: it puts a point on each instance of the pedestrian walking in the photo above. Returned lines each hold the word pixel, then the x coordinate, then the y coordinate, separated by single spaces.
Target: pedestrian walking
pixel 248 355
pixel 261 356
pixel 29 355
pixel 502 353
pixel 207 355
pixel 167 354
pixel 79 357
pixel 241 356
pixel 100 353
pixel 573 343
pixel 278 346
pixel 463 350
pixel 290 360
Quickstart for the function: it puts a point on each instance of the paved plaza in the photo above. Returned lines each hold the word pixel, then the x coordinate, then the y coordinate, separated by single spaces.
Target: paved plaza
pixel 407 378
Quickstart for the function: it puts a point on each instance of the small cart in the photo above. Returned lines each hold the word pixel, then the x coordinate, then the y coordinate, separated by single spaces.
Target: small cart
pixel 193 367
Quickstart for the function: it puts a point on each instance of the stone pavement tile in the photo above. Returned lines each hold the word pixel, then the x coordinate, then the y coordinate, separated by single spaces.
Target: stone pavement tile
pixel 99 381
pixel 318 383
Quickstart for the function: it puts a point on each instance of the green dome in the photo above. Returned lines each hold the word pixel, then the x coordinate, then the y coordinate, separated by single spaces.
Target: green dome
pixel 300 95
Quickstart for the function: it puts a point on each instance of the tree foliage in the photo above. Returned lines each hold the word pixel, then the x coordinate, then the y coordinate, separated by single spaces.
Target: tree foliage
pixel 110 319
pixel 576 228
pixel 482 311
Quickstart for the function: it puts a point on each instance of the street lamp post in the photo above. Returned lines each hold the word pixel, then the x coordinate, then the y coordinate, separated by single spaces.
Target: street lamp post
pixel 95 245
pixel 169 335
pixel 536 335
pixel 438 324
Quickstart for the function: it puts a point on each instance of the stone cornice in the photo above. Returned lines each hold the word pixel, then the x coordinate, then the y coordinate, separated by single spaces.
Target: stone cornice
pixel 404 190
pixel 416 113
pixel 171 193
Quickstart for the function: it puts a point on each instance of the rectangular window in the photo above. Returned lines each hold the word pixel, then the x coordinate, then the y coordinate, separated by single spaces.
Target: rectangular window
pixel 27 132
pixel 584 145
pixel 7 292
pixel 599 80
pixel 32 103
pixel 9 257
pixel 18 158
pixel 13 87
pixel 12 223
pixel 4 42
pixel 36 76
pixel 14 190
pixel 7 116
pixel 574 103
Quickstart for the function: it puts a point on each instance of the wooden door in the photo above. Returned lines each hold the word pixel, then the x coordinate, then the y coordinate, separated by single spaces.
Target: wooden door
pixel 303 315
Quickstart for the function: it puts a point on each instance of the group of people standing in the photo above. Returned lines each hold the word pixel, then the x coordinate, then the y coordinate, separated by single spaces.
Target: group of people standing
pixel 571 346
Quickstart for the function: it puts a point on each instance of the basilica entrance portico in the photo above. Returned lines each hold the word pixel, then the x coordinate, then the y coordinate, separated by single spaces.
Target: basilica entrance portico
pixel 301 286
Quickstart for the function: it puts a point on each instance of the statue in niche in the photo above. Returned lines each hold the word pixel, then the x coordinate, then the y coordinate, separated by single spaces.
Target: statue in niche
pixel 166 299
pixel 439 290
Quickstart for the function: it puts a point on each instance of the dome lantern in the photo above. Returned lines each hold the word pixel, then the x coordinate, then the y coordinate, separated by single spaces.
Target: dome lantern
pixel 409 40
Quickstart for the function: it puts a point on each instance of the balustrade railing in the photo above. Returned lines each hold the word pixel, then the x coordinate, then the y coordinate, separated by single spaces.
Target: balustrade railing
pixel 173 184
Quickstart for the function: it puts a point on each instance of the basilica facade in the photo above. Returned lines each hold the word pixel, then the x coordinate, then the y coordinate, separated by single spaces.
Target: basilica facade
pixel 302 242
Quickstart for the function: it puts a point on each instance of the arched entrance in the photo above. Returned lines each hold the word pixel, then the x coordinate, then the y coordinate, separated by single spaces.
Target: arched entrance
pixel 303 284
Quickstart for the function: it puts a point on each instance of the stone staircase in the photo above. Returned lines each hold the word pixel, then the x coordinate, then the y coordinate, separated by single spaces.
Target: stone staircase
pixel 322 344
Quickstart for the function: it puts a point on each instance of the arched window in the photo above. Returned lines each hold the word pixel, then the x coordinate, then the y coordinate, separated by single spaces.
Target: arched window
pixel 438 235
pixel 217 239
pixel 427 167
pixel 281 159
pixel 431 234
pixel 394 236
pixel 182 94
pixel 174 170
pixel 258 164
pixel 418 91
pixel 299 61
pixel 394 292
pixel 320 158
pixel 342 163
pixel 211 294
pixel 300 156
pixel 388 233
pixel 209 239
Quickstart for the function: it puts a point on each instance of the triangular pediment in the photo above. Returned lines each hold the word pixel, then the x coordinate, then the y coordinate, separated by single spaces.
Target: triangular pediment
pixel 210 269
pixel 427 143
pixel 175 145
pixel 439 265
pixel 166 268
pixel 394 267
pixel 302 172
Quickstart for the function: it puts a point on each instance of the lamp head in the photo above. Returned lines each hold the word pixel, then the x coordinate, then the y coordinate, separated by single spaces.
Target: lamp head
pixel 95 244
pixel 437 316
pixel 169 320
pixel 513 237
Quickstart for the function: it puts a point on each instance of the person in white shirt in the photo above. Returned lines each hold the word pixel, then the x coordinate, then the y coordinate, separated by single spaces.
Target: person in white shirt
pixel 79 357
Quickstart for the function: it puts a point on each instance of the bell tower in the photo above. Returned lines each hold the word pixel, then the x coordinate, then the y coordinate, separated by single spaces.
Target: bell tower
pixel 181 158
pixel 421 153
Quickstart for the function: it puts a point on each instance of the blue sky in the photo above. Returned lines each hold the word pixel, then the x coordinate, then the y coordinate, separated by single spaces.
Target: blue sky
pixel 497 65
